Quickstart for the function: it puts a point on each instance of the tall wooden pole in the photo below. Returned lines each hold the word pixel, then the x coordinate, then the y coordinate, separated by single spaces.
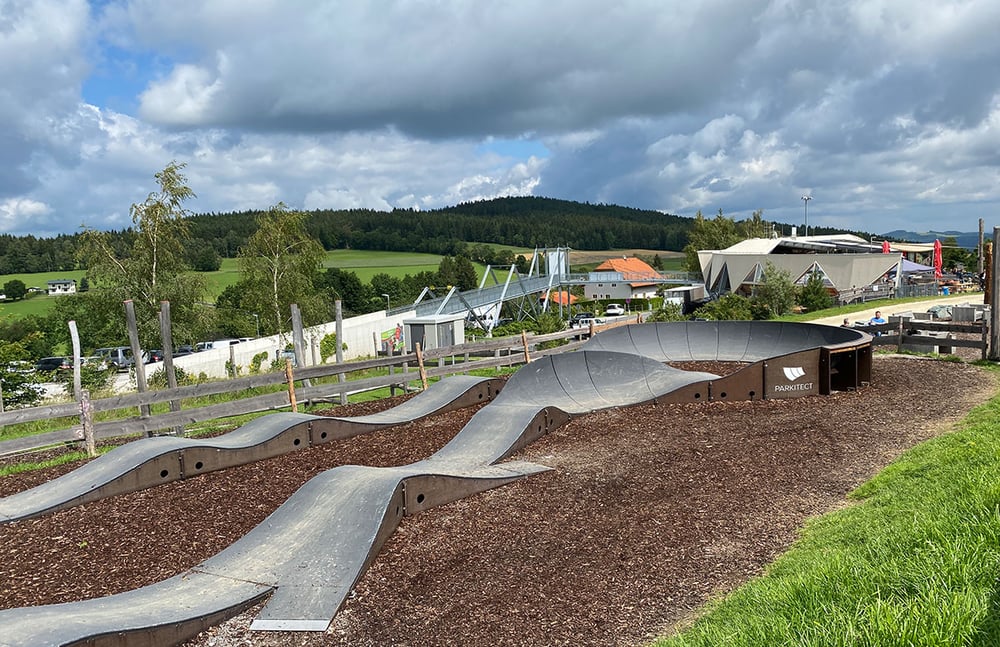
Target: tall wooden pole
pixel 140 369
pixel 338 315
pixel 167 336
pixel 992 289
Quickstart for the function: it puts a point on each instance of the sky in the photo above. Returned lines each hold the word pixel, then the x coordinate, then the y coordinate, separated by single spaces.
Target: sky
pixel 885 112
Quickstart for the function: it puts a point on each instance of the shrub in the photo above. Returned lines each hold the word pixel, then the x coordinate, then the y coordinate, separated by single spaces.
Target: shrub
pixel 728 307
pixel 668 312
pixel 328 346
pixel 256 362
pixel 158 380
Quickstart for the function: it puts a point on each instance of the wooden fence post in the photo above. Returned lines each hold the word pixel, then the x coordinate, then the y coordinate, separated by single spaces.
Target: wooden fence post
pixel 167 336
pixel 74 336
pixel 87 420
pixel 338 314
pixel 298 340
pixel 289 378
pixel 986 337
pixel 140 369
pixel 420 365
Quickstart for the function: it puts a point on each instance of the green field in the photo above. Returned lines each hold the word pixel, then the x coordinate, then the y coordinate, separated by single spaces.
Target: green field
pixel 365 264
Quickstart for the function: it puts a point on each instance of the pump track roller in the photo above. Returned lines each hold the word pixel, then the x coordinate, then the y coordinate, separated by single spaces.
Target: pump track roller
pixel 305 558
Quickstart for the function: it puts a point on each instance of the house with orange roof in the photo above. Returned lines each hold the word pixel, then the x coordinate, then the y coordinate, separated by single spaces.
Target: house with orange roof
pixel 558 297
pixel 622 278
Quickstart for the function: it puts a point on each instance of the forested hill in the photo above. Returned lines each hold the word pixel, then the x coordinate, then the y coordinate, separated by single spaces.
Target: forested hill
pixel 522 222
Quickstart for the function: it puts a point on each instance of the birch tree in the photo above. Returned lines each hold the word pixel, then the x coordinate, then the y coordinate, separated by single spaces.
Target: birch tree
pixel 148 269
pixel 280 265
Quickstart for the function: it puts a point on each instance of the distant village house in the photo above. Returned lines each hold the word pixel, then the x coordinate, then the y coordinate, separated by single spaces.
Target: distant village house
pixel 61 286
pixel 621 279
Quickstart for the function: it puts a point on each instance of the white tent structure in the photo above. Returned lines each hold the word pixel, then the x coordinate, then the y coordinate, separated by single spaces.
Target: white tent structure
pixel 847 263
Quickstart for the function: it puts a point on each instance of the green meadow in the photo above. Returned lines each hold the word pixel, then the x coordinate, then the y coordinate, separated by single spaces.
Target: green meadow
pixel 365 264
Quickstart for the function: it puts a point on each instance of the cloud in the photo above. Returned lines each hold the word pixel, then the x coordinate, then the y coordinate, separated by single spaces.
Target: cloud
pixel 885 111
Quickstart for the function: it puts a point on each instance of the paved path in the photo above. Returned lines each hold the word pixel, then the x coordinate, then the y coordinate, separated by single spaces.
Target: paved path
pixel 896 308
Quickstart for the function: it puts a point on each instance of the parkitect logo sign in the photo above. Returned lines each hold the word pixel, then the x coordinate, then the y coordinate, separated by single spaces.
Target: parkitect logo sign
pixel 792 375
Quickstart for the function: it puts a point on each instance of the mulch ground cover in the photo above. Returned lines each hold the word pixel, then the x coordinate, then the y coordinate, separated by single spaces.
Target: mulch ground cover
pixel 647 513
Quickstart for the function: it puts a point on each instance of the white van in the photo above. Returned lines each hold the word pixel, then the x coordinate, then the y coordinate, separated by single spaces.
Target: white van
pixel 218 343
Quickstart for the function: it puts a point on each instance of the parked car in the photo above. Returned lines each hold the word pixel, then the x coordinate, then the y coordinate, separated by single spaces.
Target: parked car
pixel 53 364
pixel 575 320
pixel 118 357
pixel 154 356
pixel 186 349
pixel 614 310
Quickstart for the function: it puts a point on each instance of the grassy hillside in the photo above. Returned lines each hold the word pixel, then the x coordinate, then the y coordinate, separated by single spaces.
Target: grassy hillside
pixel 363 263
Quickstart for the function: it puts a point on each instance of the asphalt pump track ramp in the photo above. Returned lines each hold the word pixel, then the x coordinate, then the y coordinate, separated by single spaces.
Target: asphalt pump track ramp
pixel 305 558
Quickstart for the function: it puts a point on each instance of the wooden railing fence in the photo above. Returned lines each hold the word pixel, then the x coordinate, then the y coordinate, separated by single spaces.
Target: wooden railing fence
pixel 403 370
pixel 910 334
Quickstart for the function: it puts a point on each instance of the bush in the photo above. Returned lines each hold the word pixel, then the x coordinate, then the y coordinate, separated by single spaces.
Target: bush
pixel 328 346
pixel 158 380
pixel 728 307
pixel 776 292
pixel 256 362
pixel 668 312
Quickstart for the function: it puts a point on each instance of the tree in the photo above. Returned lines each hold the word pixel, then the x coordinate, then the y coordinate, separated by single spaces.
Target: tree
pixel 459 272
pixel 383 283
pixel 952 256
pixel 152 269
pixel 31 332
pixel 718 233
pixel 755 226
pixel 355 296
pixel 280 264
pixel 814 296
pixel 15 289
pixel 19 385
pixel 202 257
pixel 776 293
pixel 729 306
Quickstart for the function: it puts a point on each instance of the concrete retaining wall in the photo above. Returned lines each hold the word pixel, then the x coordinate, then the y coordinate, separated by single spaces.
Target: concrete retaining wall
pixel 360 335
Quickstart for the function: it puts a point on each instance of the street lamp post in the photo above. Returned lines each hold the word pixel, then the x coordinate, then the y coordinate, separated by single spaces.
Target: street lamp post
pixel 256 319
pixel 386 302
pixel 805 205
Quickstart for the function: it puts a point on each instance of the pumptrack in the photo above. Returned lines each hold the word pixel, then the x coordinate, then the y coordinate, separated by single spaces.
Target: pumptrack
pixel 306 556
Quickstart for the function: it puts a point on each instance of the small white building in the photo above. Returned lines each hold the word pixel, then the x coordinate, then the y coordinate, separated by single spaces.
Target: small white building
pixel 61 286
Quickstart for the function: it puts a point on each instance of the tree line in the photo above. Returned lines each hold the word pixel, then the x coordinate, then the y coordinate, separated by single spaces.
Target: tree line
pixel 518 222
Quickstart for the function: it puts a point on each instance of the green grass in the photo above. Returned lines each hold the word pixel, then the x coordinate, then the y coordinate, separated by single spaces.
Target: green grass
pixel 26 466
pixel 866 307
pixel 915 561
pixel 365 264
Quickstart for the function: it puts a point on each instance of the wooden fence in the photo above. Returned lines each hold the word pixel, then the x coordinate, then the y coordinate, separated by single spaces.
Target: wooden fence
pixel 403 371
pixel 920 334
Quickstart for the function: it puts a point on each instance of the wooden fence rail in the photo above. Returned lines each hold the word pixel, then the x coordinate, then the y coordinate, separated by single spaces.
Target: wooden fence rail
pixel 898 334
pixel 489 353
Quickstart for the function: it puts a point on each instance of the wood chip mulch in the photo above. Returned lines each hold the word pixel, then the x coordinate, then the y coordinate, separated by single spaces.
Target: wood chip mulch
pixel 647 513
